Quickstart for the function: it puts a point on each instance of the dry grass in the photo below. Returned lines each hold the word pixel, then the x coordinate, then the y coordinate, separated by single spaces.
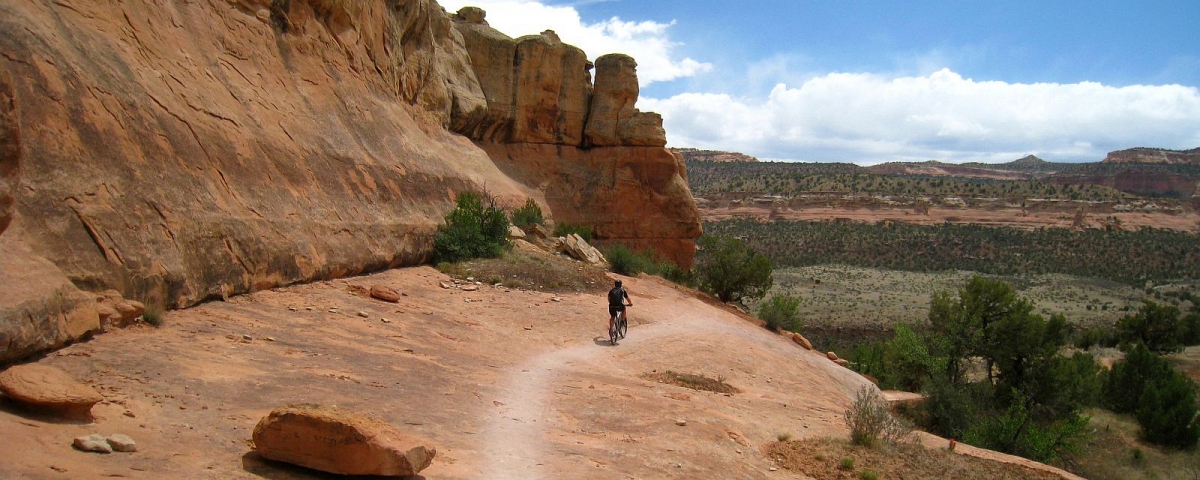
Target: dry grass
pixel 533 270
pixel 1110 454
pixel 692 381
pixel 827 459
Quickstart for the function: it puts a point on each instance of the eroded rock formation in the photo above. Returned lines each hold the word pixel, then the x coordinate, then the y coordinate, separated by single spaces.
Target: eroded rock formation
pixel 597 159
pixel 184 151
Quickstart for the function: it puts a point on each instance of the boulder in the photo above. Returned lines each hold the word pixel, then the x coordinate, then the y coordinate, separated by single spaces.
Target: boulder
pixel 341 442
pixel 385 293
pixel 48 389
pixel 831 355
pixel 800 340
pixel 538 231
pixel 121 443
pixel 92 443
pixel 553 85
pixel 843 362
pixel 515 232
pixel 114 311
pixel 578 248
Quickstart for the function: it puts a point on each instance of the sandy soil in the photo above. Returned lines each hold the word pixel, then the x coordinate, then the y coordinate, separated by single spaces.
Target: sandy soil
pixel 506 384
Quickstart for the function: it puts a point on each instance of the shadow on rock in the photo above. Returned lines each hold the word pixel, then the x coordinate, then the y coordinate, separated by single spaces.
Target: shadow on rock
pixel 36 415
pixel 255 465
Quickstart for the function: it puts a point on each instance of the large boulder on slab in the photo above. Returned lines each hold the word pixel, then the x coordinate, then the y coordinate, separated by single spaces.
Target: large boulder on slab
pixel 47 389
pixel 578 248
pixel 385 293
pixel 338 441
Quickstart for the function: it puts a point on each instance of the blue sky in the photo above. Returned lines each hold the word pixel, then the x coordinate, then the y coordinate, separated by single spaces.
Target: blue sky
pixel 870 82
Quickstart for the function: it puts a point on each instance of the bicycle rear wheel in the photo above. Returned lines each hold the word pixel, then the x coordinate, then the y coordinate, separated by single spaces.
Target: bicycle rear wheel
pixel 622 325
pixel 612 334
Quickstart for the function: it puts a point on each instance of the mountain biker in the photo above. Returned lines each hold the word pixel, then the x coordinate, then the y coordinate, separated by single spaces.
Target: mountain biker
pixel 616 302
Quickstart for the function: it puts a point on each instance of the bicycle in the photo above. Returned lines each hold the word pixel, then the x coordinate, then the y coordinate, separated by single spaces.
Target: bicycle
pixel 619 328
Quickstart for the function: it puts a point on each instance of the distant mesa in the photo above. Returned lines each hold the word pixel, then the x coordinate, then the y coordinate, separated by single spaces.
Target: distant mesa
pixel 1155 155
pixel 692 154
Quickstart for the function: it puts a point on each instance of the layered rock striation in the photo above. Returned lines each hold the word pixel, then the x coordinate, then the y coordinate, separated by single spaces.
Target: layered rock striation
pixel 182 151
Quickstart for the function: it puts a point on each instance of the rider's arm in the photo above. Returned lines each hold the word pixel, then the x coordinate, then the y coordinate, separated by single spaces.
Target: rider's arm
pixel 628 300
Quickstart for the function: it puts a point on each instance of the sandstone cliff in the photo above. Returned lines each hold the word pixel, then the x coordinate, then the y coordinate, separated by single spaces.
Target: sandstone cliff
pixel 183 151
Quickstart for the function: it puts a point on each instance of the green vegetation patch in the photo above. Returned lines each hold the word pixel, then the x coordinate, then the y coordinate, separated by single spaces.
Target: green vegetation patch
pixel 1133 257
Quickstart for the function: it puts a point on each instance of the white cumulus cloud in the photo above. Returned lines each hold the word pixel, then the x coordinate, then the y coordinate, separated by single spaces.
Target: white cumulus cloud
pixel 646 41
pixel 869 118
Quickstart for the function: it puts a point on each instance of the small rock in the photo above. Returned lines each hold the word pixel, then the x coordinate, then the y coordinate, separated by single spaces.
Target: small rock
pixel 292 308
pixel 130 414
pixel 831 355
pixel 445 285
pixel 362 314
pixel 122 443
pixel 681 422
pixel 247 338
pixel 384 320
pixel 385 293
pixel 555 299
pixel 92 443
pixel 470 288
pixel 773 469
pixel 270 339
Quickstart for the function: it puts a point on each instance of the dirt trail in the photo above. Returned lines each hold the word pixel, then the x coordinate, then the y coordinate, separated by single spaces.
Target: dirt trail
pixel 506 384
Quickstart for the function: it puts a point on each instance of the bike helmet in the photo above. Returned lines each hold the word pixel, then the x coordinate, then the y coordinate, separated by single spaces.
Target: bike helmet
pixel 618 283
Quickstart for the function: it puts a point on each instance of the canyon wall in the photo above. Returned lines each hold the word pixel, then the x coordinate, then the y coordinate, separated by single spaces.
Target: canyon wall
pixel 179 151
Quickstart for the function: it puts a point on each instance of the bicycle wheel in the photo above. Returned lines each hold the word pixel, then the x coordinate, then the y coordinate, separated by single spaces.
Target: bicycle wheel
pixel 622 325
pixel 612 335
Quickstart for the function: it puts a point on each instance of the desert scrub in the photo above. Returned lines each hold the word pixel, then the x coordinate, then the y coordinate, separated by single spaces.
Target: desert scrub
pixel 528 214
pixel 564 229
pixel 847 463
pixel 781 312
pixel 692 381
pixel 870 421
pixel 153 316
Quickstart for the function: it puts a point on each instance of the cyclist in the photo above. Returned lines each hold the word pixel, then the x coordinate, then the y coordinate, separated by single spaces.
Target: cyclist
pixel 617 298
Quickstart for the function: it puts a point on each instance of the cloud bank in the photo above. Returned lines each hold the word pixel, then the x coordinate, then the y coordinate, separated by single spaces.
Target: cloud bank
pixel 867 118
pixel 646 41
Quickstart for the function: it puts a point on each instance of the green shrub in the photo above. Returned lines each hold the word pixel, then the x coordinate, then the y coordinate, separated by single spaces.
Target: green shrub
pixel 677 274
pixel 729 269
pixel 153 317
pixel 950 408
pixel 868 475
pixel 781 312
pixel 564 229
pixel 1158 326
pixel 1167 411
pixel 625 261
pixel 1017 432
pixel 472 230
pixel 1125 383
pixel 847 463
pixel 529 214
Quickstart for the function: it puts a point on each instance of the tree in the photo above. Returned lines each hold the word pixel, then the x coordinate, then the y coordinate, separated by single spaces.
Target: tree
pixel 781 312
pixel 1167 411
pixel 1158 326
pixel 1128 378
pixel 472 229
pixel 728 268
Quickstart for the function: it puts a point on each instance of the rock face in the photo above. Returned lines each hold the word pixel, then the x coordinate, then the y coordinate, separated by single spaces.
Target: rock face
pixel 612 119
pixel 48 389
pixel 335 441
pixel 184 152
